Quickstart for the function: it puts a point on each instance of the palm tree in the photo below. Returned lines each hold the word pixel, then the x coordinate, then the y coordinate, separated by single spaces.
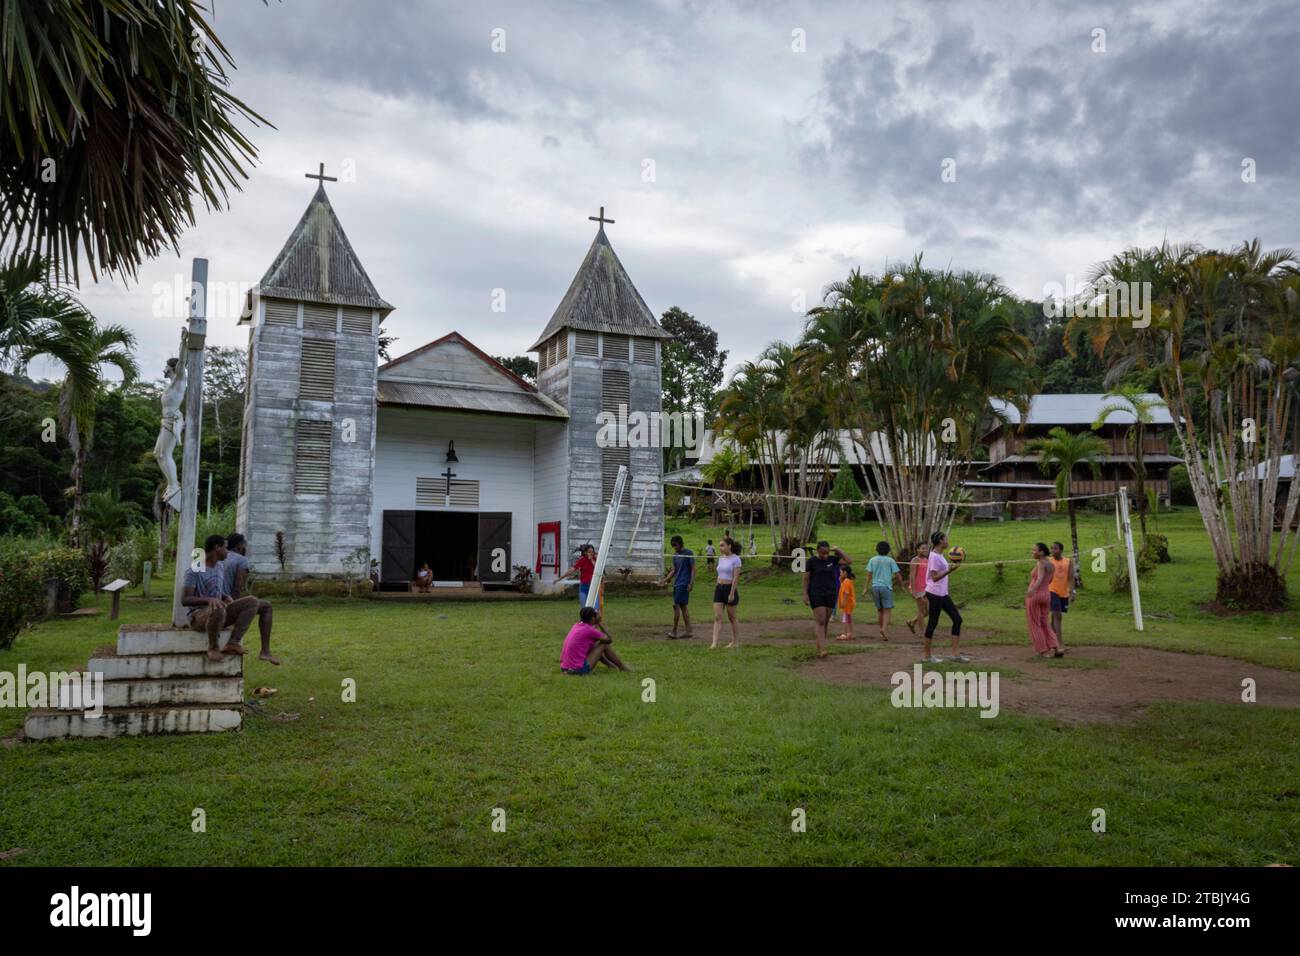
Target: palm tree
pixel 114 114
pixel 36 316
pixel 1140 406
pixel 89 350
pixel 910 358
pixel 727 462
pixel 1224 345
pixel 1061 452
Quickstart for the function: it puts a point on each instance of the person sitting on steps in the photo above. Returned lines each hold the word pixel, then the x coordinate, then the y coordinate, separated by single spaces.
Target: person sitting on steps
pixel 211 608
pixel 235 570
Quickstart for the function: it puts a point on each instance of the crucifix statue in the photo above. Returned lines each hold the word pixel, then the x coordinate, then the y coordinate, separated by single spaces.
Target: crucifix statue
pixel 321 176
pixel 601 219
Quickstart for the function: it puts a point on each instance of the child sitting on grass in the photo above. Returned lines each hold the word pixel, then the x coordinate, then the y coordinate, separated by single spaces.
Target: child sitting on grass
pixel 848 600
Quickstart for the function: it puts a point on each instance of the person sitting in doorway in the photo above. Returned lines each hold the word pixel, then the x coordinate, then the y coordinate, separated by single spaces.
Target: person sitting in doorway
pixel 210 607
pixel 424 579
pixel 235 570
pixel 588 644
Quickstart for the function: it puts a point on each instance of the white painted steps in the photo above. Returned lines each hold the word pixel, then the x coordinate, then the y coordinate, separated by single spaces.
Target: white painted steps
pixel 159 681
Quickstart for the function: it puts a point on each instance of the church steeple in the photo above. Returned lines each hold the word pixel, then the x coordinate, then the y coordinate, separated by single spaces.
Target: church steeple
pixel 317 263
pixel 602 297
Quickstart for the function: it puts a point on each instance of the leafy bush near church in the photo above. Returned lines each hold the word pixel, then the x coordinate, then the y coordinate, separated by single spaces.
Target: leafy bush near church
pixel 845 489
pixel 24 569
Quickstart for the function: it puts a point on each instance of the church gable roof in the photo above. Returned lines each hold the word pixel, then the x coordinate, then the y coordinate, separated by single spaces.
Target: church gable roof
pixel 454 374
pixel 317 263
pixel 602 298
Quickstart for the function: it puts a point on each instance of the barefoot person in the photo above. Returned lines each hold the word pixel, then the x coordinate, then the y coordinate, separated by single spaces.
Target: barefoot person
pixel 1041 635
pixel 920 566
pixel 235 570
pixel 588 644
pixel 821 586
pixel 1062 589
pixel 936 593
pixel 683 577
pixel 210 607
pixel 884 571
pixel 726 593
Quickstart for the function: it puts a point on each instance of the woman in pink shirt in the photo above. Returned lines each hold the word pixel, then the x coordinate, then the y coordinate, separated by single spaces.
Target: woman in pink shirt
pixel 587 644
pixel 936 592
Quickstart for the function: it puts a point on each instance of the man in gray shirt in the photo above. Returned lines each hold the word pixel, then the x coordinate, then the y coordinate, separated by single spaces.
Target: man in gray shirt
pixel 211 607
pixel 235 569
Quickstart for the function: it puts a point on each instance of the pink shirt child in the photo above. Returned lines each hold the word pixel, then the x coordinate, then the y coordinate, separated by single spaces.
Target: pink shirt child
pixel 937 564
pixel 577 645
pixel 920 572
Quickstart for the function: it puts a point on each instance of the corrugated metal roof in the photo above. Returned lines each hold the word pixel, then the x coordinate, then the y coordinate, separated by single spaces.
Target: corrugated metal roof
pixel 1152 459
pixel 317 263
pixel 463 398
pixel 1285 469
pixel 602 298
pixel 1076 408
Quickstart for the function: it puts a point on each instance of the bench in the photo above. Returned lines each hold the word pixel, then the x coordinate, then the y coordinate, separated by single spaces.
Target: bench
pixel 115 589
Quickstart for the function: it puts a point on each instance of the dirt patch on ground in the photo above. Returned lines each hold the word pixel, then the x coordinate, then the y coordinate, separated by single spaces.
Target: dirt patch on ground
pixel 1091 684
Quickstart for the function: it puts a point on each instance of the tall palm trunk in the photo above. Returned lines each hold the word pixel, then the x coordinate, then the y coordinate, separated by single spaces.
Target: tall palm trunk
pixel 1074 539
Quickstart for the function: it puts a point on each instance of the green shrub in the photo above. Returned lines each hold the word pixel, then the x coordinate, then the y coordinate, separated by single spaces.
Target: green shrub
pixel 1180 486
pixel 25 566
pixel 845 489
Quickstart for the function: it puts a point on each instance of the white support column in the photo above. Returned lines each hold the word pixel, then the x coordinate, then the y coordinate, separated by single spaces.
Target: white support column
pixel 607 537
pixel 1131 557
pixel 195 336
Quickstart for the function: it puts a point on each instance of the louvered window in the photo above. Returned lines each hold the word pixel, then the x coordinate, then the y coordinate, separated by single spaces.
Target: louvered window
pixel 281 313
pixel 432 493
pixel 616 347
pixel 542 364
pixel 311 457
pixel 357 321
pixel 586 343
pixel 643 351
pixel 320 318
pixel 317 376
pixel 562 340
pixel 550 353
pixel 614 391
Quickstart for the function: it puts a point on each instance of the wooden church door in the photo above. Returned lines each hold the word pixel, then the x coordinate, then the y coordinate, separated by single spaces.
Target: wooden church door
pixel 494 547
pixel 397 559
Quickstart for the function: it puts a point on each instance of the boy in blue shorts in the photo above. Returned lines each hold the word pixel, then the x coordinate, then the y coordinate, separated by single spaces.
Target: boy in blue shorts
pixel 683 577
pixel 883 570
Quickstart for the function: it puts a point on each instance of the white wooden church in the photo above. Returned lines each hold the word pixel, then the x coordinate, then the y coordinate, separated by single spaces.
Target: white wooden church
pixel 440 455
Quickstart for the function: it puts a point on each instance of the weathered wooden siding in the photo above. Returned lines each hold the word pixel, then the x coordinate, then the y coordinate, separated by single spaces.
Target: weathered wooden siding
pixel 319 530
pixel 551 484
pixel 587 505
pixel 496 451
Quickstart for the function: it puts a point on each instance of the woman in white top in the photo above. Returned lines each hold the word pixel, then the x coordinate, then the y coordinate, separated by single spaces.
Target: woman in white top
pixel 725 594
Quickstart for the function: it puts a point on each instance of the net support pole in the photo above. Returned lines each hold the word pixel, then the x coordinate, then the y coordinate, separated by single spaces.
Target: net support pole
pixel 1131 558
pixel 607 537
pixel 192 359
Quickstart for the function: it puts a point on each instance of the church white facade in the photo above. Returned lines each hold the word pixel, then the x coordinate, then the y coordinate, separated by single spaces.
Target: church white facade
pixel 441 455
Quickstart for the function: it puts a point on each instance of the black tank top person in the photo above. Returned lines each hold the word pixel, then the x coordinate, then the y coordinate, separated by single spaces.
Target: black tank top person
pixel 823 577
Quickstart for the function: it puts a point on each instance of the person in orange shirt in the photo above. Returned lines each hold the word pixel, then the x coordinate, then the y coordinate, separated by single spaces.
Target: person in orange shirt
pixel 848 600
pixel 1062 587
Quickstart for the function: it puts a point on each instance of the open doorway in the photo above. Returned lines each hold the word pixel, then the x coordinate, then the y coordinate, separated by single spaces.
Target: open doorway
pixel 448 541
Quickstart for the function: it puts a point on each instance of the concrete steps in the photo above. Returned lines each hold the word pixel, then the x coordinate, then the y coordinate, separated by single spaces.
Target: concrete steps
pixel 158 680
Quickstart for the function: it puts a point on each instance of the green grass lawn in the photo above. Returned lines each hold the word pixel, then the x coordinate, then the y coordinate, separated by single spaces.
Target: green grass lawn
pixel 460 709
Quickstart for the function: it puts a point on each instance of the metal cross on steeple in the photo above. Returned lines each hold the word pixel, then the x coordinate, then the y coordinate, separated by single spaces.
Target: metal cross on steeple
pixel 601 219
pixel 321 176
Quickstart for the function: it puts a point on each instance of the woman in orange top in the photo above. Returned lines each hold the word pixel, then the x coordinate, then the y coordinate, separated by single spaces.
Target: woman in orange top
pixel 848 600
pixel 1062 587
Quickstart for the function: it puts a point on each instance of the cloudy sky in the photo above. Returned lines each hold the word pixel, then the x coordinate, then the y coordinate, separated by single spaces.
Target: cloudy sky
pixel 747 150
